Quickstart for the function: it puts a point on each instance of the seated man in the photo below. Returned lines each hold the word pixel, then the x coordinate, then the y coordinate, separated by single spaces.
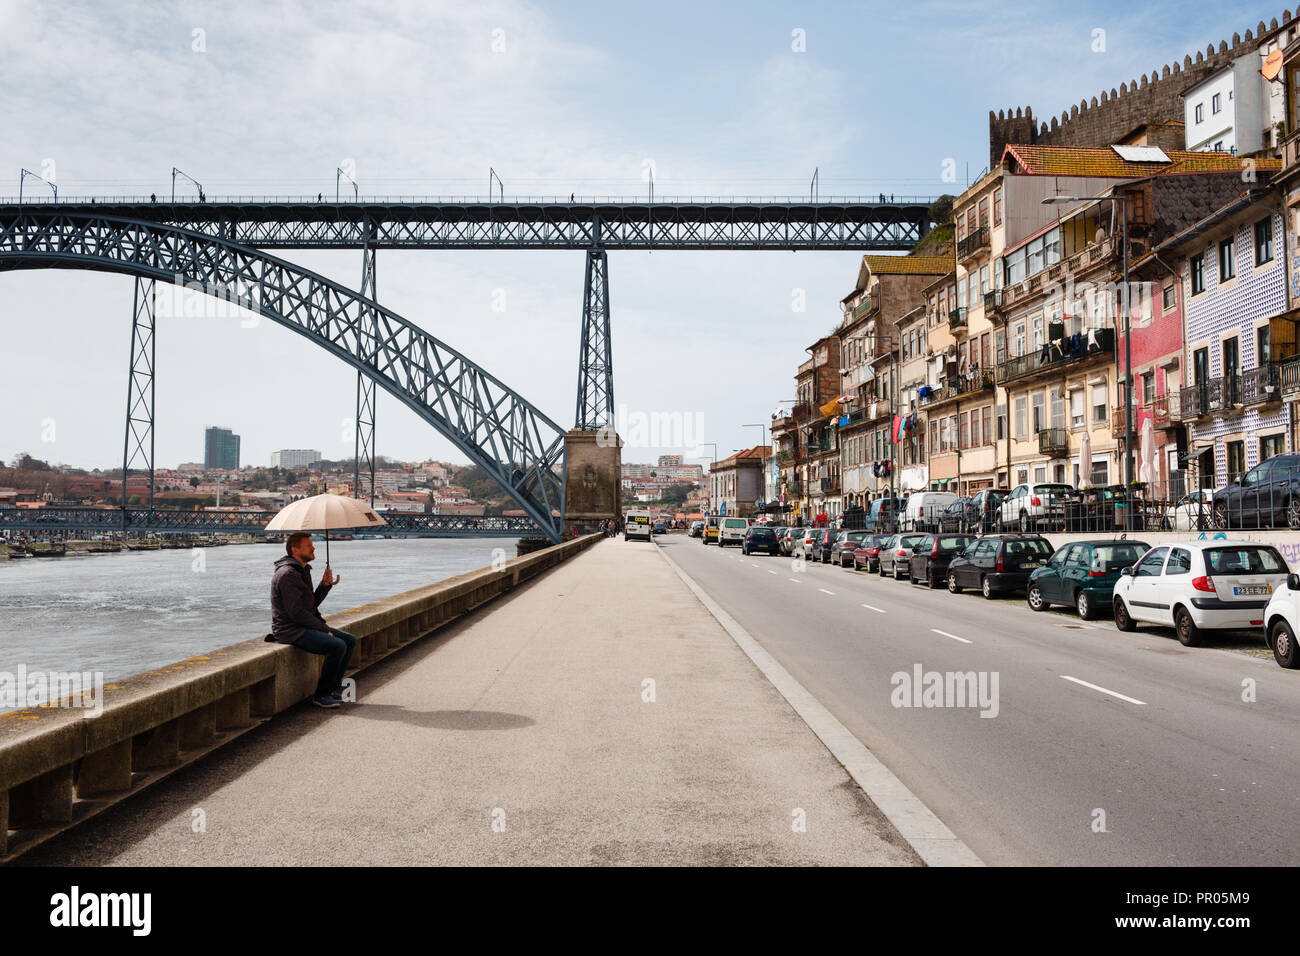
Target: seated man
pixel 295 619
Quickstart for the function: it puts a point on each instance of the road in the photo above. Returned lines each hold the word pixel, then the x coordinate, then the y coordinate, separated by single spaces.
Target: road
pixel 1106 748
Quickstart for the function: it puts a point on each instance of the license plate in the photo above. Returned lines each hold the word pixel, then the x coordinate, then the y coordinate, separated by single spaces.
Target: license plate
pixel 1032 564
pixel 1253 589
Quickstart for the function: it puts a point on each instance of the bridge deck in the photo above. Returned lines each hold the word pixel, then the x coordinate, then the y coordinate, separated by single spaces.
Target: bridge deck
pixel 532 711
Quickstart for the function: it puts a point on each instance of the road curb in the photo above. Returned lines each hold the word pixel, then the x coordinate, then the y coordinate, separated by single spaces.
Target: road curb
pixel 927 835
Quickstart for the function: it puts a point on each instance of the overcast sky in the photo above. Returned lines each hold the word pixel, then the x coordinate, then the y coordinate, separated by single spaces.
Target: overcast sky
pixel 260 98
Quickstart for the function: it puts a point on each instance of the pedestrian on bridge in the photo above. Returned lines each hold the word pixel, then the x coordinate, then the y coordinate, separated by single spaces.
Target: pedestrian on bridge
pixel 296 620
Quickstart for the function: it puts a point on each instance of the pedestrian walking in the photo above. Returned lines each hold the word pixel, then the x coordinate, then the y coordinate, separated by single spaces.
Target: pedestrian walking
pixel 296 620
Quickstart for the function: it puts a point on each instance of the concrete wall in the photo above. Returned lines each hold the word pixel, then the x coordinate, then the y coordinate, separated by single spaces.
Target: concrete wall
pixel 58 766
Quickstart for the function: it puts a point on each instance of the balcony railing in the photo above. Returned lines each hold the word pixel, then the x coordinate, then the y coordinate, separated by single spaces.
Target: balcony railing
pixel 1222 394
pixel 862 308
pixel 957 319
pixel 1053 357
pixel 955 388
pixel 1191 403
pixel 1117 420
pixel 1291 377
pixel 1053 441
pixel 830 485
pixel 977 240
pixel 1261 385
pixel 993 300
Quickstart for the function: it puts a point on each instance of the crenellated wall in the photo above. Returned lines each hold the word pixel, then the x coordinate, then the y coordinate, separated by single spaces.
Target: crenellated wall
pixel 1153 98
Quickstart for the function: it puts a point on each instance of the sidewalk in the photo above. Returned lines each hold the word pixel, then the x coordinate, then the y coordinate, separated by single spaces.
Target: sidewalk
pixel 530 715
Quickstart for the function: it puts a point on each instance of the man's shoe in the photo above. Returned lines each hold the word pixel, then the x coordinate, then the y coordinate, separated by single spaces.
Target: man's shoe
pixel 325 700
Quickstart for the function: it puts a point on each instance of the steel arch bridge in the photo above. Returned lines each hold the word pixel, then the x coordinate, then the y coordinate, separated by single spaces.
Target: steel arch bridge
pixel 514 442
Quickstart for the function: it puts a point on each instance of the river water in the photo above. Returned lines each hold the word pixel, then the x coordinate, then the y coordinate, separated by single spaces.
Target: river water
pixel 136 610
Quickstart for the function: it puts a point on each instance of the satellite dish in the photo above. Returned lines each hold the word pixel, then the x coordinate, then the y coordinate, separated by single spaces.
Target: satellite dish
pixel 1272 65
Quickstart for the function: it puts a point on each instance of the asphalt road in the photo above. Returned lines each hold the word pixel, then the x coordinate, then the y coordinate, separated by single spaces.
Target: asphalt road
pixel 1133 733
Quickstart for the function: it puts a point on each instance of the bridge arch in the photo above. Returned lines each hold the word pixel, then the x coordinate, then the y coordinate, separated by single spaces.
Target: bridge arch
pixel 497 429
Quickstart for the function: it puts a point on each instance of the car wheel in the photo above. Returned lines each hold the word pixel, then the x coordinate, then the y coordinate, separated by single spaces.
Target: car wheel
pixel 1024 523
pixel 1035 598
pixel 986 588
pixel 1189 635
pixel 953 586
pixel 1221 515
pixel 1083 604
pixel 1283 641
pixel 1293 514
pixel 1123 620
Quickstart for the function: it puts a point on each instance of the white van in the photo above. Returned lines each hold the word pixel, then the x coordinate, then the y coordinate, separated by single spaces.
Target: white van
pixel 636 524
pixel 732 530
pixel 924 508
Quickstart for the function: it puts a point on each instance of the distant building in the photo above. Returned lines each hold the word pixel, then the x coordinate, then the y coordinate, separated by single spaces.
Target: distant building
pixel 668 460
pixel 294 457
pixel 220 448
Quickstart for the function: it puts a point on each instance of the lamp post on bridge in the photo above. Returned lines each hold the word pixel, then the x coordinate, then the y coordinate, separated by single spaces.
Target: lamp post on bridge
pixel 22 177
pixel 178 172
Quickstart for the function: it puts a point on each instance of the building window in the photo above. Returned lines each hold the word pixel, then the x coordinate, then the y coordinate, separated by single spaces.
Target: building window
pixel 988 424
pixel 984 213
pixel 1269 446
pixel 1236 459
pixel 1264 241
pixel 1100 473
pixel 1036 406
pixel 1076 408
pixel 1167 298
pixel 1262 356
pixel 997 207
pixel 1198 273
pixel 1021 406
pixel 1227 259
pixel 1099 403
pixel 1148 388
pixel 1216 103
pixel 1200 113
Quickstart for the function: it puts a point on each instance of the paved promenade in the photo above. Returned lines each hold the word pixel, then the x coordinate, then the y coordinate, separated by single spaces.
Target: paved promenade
pixel 522 736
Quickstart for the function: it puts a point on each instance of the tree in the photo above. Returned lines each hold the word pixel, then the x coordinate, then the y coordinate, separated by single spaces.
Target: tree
pixel 941 209
pixel 674 495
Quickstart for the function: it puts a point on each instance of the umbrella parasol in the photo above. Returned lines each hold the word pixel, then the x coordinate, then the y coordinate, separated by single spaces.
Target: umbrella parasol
pixel 325 513
pixel 1147 453
pixel 1085 460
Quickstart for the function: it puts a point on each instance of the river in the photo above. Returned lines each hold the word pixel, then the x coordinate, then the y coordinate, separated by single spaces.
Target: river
pixel 133 611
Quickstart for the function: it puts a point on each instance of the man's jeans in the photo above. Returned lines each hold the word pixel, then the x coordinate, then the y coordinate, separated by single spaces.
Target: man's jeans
pixel 337 647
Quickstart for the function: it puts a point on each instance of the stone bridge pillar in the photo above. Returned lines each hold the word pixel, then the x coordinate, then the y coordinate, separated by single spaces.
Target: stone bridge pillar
pixel 593 479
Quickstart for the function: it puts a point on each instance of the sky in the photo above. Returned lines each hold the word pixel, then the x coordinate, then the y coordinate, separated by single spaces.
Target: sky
pixel 423 98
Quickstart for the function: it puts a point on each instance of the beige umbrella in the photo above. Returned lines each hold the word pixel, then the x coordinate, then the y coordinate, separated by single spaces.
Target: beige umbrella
pixel 1085 459
pixel 1147 453
pixel 325 513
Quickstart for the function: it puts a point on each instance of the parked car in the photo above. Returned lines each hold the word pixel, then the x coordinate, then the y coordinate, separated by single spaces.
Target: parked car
pixel 732 530
pixel 931 557
pixel 1192 512
pixel 1282 622
pixel 1200 585
pixel 1083 574
pixel 697 529
pixel 804 540
pixel 710 532
pixel 883 514
pixel 1267 496
pixel 866 557
pixel 660 528
pixel 954 518
pixel 842 549
pixel 788 539
pixel 923 508
pixel 983 510
pixel 760 538
pixel 895 559
pixel 822 544
pixel 998 563
pixel 1028 507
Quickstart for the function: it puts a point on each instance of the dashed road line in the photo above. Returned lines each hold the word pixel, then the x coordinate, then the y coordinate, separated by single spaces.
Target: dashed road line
pixel 795 580
pixel 824 591
pixel 770 571
pixel 953 636
pixel 878 610
pixel 1131 700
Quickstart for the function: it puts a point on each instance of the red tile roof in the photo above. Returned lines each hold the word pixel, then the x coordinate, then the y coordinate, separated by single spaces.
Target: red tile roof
pixel 908 265
pixel 1105 162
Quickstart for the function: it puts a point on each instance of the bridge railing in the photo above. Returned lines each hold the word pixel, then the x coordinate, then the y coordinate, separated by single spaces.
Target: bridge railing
pixel 638 200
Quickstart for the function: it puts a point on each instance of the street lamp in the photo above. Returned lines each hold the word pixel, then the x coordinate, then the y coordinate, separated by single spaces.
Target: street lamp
pixel 1128 337
pixel 762 459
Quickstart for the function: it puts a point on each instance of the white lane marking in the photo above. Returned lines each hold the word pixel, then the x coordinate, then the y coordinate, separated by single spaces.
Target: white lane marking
pixel 953 636
pixel 824 591
pixel 795 580
pixel 770 571
pixel 1091 627
pixel 1103 690
pixel 754 563
pixel 878 610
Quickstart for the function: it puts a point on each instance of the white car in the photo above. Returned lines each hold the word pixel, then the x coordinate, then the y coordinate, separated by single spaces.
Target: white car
pixel 923 509
pixel 1282 622
pixel 1027 505
pixel 732 531
pixel 1191 513
pixel 1200 585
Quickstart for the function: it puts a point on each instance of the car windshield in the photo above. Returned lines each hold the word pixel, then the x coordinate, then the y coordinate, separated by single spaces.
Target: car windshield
pixel 1244 559
pixel 735 523
pixel 954 542
pixel 1026 546
pixel 760 533
pixel 910 540
pixel 1112 557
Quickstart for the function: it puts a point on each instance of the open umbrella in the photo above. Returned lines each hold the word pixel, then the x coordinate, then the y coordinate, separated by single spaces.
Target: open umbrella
pixel 325 513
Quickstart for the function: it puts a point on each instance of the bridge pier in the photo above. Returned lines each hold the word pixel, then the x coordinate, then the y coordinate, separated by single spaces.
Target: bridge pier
pixel 368 346
pixel 593 479
pixel 140 387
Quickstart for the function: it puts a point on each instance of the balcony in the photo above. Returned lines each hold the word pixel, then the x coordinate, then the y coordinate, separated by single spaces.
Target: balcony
pixel 957 320
pixel 830 485
pixel 1222 394
pixel 1117 420
pixel 1261 385
pixel 956 388
pixel 1191 403
pixel 972 244
pixel 1053 442
pixel 793 487
pixel 1053 357
pixel 1291 377
pixel 861 309
pixel 993 300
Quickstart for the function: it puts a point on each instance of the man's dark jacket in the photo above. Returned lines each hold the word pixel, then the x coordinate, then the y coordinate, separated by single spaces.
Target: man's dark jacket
pixel 293 603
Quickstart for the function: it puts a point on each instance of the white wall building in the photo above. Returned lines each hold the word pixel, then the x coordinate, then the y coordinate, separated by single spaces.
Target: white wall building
pixel 294 457
pixel 1228 110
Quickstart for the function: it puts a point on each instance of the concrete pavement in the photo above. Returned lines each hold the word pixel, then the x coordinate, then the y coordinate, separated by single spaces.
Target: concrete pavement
pixel 525 734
